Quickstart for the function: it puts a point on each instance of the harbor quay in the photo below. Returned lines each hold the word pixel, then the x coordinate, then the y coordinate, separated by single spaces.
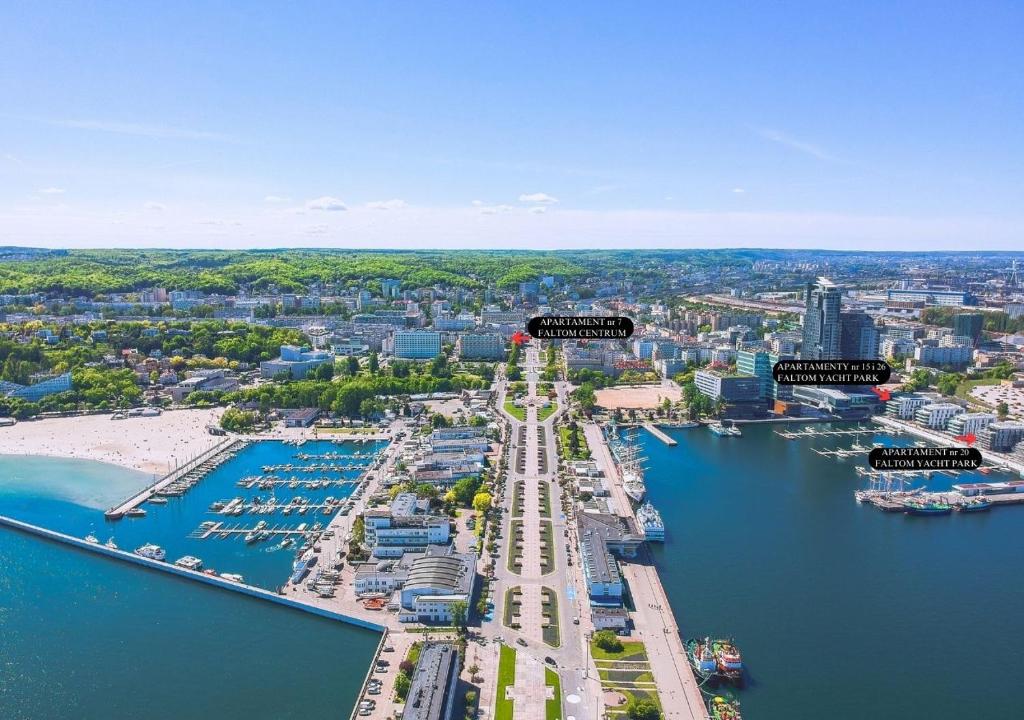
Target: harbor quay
pixel 997 459
pixel 211 580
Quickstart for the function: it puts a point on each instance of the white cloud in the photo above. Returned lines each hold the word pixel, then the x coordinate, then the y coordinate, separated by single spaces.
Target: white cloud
pixel 478 203
pixel 140 129
pixel 541 198
pixel 52 191
pixel 154 206
pixel 738 190
pixel 495 209
pixel 276 199
pixel 326 202
pixel 781 138
pixel 538 210
pixel 394 204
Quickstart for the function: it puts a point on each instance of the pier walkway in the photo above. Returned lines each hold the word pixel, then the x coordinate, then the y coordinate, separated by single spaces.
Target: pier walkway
pixel 169 567
pixel 657 432
pixel 119 511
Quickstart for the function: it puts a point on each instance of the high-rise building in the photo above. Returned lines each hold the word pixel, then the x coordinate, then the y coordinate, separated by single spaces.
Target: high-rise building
pixel 968 325
pixel 858 336
pixel 821 321
pixel 417 344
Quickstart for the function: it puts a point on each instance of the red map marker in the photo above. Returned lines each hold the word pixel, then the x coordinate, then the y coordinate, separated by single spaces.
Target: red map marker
pixel 969 438
pixel 882 393
pixel 520 337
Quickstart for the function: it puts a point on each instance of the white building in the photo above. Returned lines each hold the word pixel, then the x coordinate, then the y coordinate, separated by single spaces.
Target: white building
pixel 970 423
pixel 416 344
pixel 937 415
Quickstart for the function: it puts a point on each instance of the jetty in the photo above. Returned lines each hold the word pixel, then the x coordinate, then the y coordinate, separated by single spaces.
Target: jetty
pixel 197 576
pixel 811 432
pixel 658 433
pixel 182 476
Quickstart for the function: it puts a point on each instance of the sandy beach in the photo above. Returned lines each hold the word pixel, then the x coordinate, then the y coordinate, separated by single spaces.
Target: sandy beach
pixel 638 397
pixel 150 444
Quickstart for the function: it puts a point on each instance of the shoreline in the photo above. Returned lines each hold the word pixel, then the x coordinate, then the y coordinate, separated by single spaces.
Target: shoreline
pixel 151 445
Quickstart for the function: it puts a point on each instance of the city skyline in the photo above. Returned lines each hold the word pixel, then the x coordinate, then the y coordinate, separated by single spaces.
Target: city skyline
pixel 483 127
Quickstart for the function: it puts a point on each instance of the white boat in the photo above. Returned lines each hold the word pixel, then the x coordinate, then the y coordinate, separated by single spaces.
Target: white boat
pixel 233 577
pixel 151 551
pixel 631 467
pixel 649 519
pixel 724 431
pixel 189 562
pixel 110 544
pixel 90 538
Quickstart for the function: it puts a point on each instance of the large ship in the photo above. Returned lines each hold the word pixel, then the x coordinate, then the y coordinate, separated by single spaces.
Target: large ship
pixel 631 467
pixel 702 658
pixel 926 507
pixel 650 522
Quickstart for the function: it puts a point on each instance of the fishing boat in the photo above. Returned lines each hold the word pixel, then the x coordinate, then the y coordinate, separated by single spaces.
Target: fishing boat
pixel 728 660
pixel 721 708
pixel 974 505
pixel 702 658
pixel 90 538
pixel 151 551
pixel 650 522
pixel 926 507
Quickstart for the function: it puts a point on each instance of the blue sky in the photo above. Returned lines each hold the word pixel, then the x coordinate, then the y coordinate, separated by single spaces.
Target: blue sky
pixel 522 125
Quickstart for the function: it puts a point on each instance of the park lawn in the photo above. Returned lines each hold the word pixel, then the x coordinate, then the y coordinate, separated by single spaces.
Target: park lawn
pixel 584 451
pixel 631 650
pixel 517 412
pixel 545 412
pixel 506 678
pixel 553 705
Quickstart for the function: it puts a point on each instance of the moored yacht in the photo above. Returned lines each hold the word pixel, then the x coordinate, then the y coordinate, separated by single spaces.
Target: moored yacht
pixel 151 552
pixel 650 522
pixel 189 562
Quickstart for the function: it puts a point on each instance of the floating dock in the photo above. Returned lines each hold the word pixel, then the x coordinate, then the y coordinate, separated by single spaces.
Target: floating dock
pixel 658 433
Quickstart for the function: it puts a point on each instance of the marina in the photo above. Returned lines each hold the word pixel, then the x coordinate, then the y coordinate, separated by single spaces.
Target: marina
pixel 729 573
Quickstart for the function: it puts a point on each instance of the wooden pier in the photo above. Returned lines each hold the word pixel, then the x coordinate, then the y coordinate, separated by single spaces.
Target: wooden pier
pixel 658 433
pixel 119 511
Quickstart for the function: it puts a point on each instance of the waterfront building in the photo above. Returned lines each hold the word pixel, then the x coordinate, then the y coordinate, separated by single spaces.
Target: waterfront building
pixel 905 406
pixel 728 388
pixel 432 693
pixel 759 363
pixel 1001 436
pixel 481 345
pixel 970 423
pixel 937 415
pixel 858 336
pixel 848 403
pixel 435 582
pixel 602 537
pixel 296 361
pixel 416 344
pixel 821 340
pixel 406 526
pixel 37 390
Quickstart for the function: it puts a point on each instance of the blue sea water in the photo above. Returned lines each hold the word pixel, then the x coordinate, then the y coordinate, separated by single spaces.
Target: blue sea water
pixel 86 637
pixel 841 611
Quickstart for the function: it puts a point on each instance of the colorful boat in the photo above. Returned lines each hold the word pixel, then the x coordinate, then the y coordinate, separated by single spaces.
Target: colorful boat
pixel 729 660
pixel 720 708
pixel 702 658
pixel 926 507
pixel 974 505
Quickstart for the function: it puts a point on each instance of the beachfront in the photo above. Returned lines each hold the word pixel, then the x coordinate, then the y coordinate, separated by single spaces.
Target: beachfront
pixel 149 444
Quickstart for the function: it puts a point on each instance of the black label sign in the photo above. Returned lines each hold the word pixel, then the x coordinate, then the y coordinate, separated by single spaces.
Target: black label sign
pixel 581 327
pixel 925 458
pixel 831 372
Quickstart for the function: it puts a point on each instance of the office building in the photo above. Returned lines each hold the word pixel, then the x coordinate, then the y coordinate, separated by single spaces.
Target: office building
pixel 432 693
pixel 858 336
pixel 822 333
pixel 417 344
pixel 728 388
pixel 969 325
